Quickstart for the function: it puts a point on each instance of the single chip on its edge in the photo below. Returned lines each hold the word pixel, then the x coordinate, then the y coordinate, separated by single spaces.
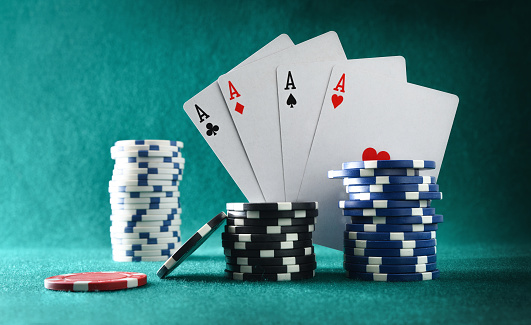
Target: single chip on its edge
pixel 191 245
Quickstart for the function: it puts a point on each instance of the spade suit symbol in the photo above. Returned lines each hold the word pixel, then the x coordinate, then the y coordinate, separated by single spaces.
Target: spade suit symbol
pixel 291 101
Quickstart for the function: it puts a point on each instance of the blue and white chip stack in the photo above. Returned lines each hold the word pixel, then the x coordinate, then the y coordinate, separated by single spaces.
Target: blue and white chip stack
pixel 391 236
pixel 145 200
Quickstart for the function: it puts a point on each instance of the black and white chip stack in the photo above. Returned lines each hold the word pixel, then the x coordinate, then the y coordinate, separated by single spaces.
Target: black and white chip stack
pixel 270 241
pixel 391 234
pixel 145 199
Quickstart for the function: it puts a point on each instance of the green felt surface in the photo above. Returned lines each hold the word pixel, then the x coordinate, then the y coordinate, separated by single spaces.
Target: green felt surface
pixel 77 76
pixel 479 284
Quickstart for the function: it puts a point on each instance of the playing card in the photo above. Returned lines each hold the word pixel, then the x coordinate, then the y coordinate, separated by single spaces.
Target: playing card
pixel 209 113
pixel 301 90
pixel 361 110
pixel 251 96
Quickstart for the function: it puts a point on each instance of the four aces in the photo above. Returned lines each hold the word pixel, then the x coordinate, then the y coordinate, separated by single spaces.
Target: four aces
pixel 289 113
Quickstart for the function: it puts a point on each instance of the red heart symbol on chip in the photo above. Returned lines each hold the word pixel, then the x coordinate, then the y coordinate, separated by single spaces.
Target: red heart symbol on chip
pixel 336 100
pixel 371 154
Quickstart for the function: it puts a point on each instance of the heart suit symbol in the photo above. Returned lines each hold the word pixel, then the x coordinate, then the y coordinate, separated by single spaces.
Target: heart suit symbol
pixel 370 154
pixel 336 100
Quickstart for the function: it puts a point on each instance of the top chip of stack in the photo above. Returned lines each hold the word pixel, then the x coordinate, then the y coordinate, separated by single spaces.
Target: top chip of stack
pixel 270 241
pixel 145 199
pixel 391 236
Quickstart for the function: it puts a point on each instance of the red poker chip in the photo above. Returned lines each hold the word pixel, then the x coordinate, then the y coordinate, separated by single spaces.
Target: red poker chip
pixel 95 281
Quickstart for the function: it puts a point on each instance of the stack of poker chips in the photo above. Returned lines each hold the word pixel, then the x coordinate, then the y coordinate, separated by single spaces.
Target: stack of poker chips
pixel 145 204
pixel 391 236
pixel 270 241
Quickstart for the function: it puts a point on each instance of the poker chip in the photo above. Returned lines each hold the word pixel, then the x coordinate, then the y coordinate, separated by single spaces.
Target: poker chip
pixel 270 241
pixel 292 214
pixel 153 211
pixel 168 143
pixel 145 153
pixel 148 165
pixel 382 180
pixel 144 200
pixel 389 212
pixel 139 258
pixel 414 268
pixel 146 241
pixel 149 177
pixel 144 195
pixel 95 281
pixel 266 245
pixel 269 276
pixel 153 252
pixel 423 276
pixel 142 182
pixel 191 245
pixel 390 251
pixel 291 260
pixel 261 269
pixel 143 147
pixel 145 247
pixel 144 206
pixel 266 253
pixel 391 228
pixel 145 217
pixel 268 229
pixel 279 206
pixel 399 220
pixel 383 204
pixel 271 222
pixel 148 173
pixel 129 230
pixel 396 196
pixel 141 189
pixel 389 243
pixel 128 224
pixel 139 235
pixel 149 160
pixel 390 235
pixel 417 164
pixel 266 238
pixel 374 260
pixel 372 172
pixel 392 188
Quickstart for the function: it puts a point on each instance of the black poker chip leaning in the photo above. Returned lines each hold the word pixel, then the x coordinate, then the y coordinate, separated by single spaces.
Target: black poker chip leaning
pixel 260 269
pixel 269 253
pixel 269 230
pixel 257 214
pixel 251 238
pixel 270 222
pixel 266 245
pixel 271 261
pixel 191 245
pixel 277 206
pixel 269 276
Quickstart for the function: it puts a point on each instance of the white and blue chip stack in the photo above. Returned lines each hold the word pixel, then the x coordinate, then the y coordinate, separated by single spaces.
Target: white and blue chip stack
pixel 145 202
pixel 270 241
pixel 391 236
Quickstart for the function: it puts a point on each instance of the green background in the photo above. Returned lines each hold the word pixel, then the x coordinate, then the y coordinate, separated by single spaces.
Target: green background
pixel 77 76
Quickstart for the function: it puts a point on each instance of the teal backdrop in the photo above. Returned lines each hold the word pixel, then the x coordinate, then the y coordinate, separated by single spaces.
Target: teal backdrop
pixel 76 76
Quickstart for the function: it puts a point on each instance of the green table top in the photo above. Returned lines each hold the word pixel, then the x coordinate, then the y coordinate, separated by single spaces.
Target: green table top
pixel 479 284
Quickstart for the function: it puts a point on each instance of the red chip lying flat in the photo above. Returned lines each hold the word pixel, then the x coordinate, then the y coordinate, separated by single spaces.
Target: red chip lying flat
pixel 95 281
